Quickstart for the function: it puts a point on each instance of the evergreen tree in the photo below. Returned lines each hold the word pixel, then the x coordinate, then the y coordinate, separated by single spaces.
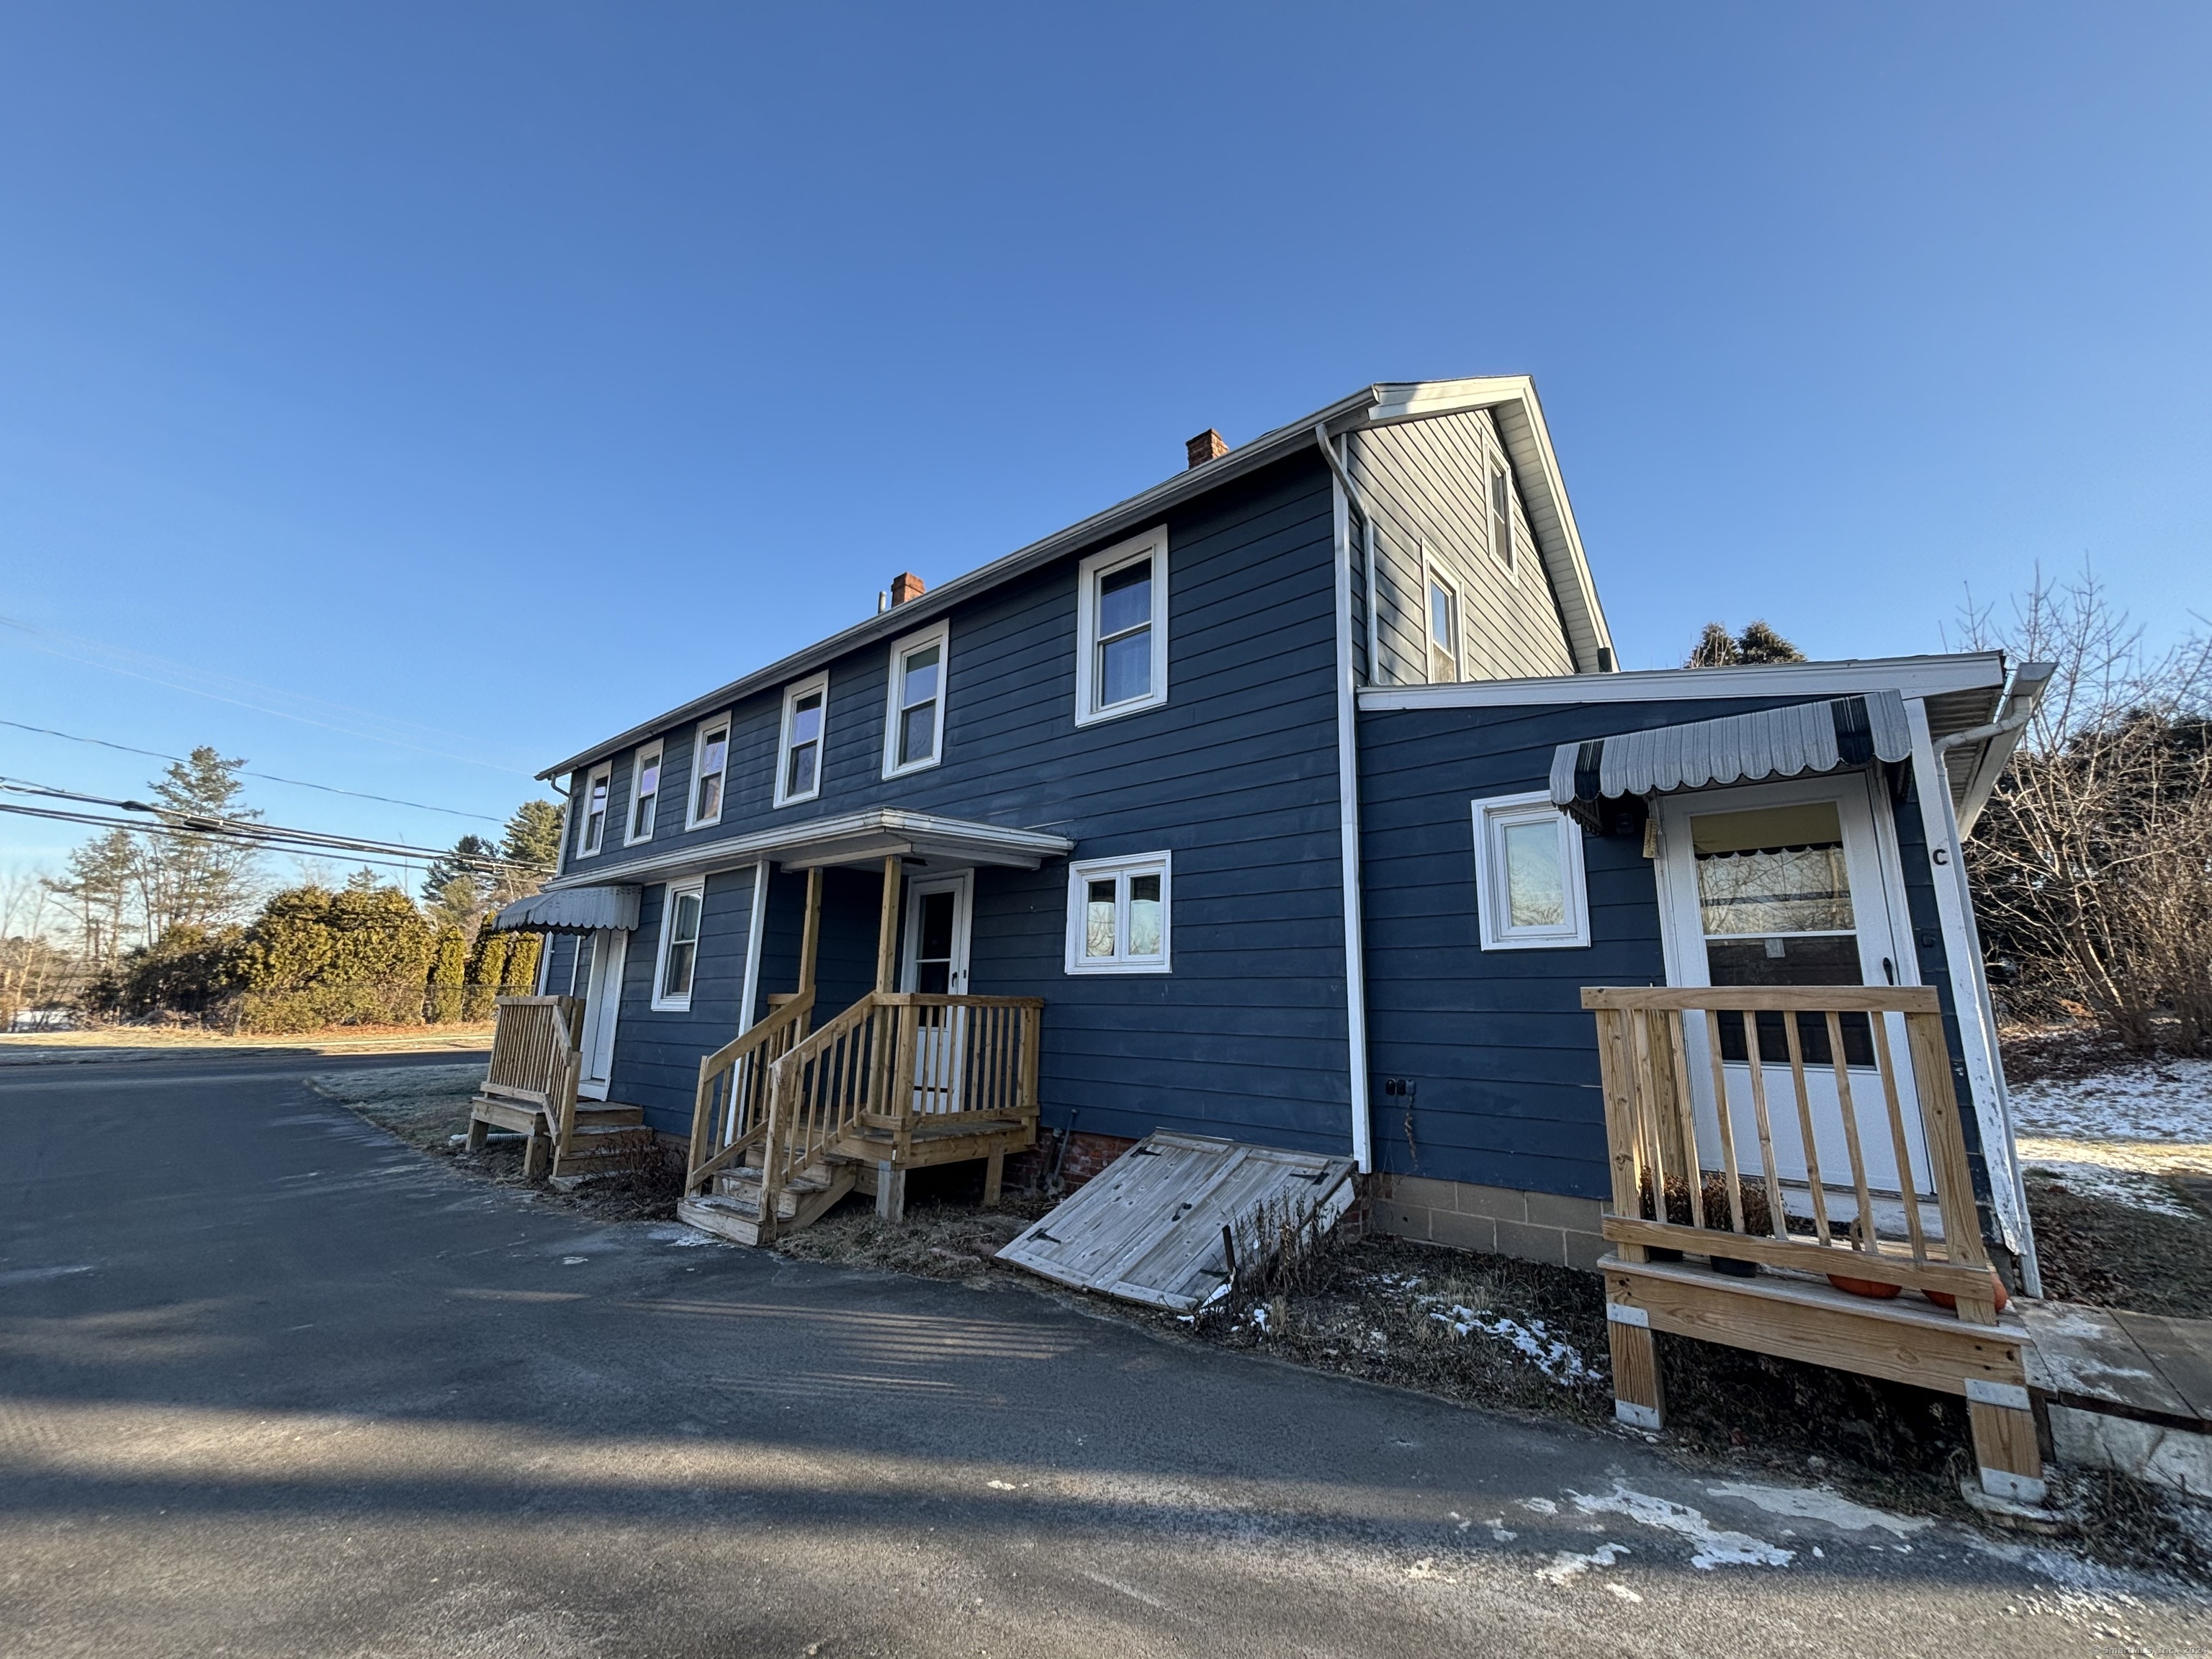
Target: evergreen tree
pixel 449 973
pixel 523 952
pixel 487 972
pixel 98 888
pixel 531 848
pixel 1717 649
pixel 201 881
pixel 470 860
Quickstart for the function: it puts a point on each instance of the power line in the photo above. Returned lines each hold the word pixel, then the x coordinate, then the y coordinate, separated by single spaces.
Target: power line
pixel 266 777
pixel 409 864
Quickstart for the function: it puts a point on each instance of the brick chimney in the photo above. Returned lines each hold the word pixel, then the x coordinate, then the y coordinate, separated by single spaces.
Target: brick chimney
pixel 905 585
pixel 1208 445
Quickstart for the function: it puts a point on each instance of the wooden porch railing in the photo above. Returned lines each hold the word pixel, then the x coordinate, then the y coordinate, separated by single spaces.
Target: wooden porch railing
pixel 537 1058
pixel 1676 1190
pixel 729 1115
pixel 893 1061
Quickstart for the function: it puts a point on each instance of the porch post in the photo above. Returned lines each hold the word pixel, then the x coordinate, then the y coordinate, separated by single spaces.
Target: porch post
pixel 887 928
pixel 810 939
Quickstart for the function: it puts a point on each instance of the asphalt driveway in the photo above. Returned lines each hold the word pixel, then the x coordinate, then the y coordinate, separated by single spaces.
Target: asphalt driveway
pixel 272 1383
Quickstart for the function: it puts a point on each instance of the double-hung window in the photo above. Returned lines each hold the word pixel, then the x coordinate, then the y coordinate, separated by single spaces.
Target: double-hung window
pixel 1501 516
pixel 914 718
pixel 644 794
pixel 1443 625
pixel 710 767
pixel 679 945
pixel 1118 915
pixel 1122 629
pixel 1529 879
pixel 798 758
pixel 592 821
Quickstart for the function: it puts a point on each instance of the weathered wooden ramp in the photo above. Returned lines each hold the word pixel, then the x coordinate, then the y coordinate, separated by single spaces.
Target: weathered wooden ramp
pixel 1155 1227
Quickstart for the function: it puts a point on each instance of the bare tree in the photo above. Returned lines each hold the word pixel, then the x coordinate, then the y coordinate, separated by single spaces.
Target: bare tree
pixel 2093 867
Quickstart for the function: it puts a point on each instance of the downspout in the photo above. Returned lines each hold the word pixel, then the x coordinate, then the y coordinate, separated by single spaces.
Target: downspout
pixel 1347 795
pixel 2031 1273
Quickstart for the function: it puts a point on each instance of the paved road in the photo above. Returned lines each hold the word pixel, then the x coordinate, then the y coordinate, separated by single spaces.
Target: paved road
pixel 272 1383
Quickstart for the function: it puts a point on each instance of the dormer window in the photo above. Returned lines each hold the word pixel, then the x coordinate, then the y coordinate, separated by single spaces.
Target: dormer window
pixel 644 794
pixel 1121 630
pixel 798 764
pixel 914 718
pixel 710 766
pixel 592 822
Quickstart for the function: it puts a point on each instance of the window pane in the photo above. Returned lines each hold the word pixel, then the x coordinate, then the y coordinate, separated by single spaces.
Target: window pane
pixel 1125 668
pixel 807 718
pixel 1440 617
pixel 710 796
pixel 799 778
pixel 919 684
pixel 1099 918
pixel 1784 889
pixel 679 969
pixel 1145 915
pixel 686 925
pixel 917 733
pixel 713 752
pixel 1125 598
pixel 1535 886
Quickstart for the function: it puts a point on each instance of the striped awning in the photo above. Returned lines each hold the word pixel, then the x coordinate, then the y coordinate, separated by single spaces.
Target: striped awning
pixel 1801 740
pixel 570 910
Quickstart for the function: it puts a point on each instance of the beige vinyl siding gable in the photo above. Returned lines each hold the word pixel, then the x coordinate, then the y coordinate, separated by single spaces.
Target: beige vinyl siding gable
pixel 1428 483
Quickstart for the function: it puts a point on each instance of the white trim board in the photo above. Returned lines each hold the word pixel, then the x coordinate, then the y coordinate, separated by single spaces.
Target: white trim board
pixel 1914 676
pixel 882 828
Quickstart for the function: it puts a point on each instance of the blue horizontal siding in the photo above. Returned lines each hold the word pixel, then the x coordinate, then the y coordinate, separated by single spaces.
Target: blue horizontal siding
pixel 657 1053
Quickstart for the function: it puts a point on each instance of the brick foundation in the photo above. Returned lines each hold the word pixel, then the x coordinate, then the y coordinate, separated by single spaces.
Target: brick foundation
pixel 1086 1156
pixel 1502 1220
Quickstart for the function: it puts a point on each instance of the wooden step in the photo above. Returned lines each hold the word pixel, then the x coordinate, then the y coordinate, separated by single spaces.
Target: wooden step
pixel 722 1217
pixel 743 1187
pixel 608 1117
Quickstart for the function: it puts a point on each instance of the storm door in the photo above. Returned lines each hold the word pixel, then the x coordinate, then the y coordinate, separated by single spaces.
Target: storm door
pixel 937 909
pixel 1790 884
pixel 597 979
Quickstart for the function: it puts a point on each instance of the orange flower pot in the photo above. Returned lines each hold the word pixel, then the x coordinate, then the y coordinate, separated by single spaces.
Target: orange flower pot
pixel 1867 1288
pixel 1945 1299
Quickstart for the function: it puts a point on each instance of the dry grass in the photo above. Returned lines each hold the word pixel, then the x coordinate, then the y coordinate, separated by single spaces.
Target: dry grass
pixel 2111 1255
pixel 337 1040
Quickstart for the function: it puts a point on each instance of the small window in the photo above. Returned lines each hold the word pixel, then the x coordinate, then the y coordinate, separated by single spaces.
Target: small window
pixel 1118 915
pixel 1529 875
pixel 591 824
pixel 1121 630
pixel 680 946
pixel 1501 516
pixel 710 766
pixel 914 719
pixel 644 794
pixel 1443 626
pixel 798 762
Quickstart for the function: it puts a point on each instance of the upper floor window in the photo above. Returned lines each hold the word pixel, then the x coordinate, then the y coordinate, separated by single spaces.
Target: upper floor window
pixel 1528 881
pixel 1117 915
pixel 644 794
pixel 914 719
pixel 1121 630
pixel 799 761
pixel 680 946
pixel 1501 515
pixel 710 766
pixel 1443 626
pixel 592 821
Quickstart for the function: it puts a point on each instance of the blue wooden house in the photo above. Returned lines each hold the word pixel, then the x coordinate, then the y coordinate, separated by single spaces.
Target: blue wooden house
pixel 1295 800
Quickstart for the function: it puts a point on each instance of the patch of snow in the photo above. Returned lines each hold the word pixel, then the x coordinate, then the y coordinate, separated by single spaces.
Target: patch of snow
pixel 2105 1172
pixel 1622 1590
pixel 1819 1503
pixel 1716 1548
pixel 1567 1566
pixel 1260 1320
pixel 1558 1360
pixel 2162 1100
pixel 1540 1505
pixel 682 1237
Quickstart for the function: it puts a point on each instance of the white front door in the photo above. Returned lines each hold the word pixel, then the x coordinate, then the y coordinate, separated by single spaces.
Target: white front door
pixel 1793 883
pixel 937 914
pixel 597 979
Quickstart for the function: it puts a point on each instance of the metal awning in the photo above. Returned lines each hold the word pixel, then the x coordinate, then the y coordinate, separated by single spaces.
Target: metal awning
pixel 1801 740
pixel 570 910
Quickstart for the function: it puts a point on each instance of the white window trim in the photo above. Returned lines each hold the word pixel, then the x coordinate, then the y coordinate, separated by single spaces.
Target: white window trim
pixel 691 783
pixel 1141 864
pixel 792 694
pixel 603 772
pixel 1499 469
pixel 939 634
pixel 659 753
pixel 1152 544
pixel 1434 573
pixel 1491 817
pixel 662 1002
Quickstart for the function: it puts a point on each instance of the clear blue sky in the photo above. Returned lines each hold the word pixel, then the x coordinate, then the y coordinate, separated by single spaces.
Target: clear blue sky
pixel 513 372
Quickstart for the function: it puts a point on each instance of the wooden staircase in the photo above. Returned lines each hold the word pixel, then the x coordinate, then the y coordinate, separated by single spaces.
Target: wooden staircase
pixel 787 1123
pixel 530 1089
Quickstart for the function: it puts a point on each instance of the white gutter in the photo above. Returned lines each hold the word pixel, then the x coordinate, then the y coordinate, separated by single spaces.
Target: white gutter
pixel 1347 796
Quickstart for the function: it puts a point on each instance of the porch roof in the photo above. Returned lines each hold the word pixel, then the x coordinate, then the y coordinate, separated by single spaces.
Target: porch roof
pixel 1802 739
pixel 571 910
pixel 863 837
